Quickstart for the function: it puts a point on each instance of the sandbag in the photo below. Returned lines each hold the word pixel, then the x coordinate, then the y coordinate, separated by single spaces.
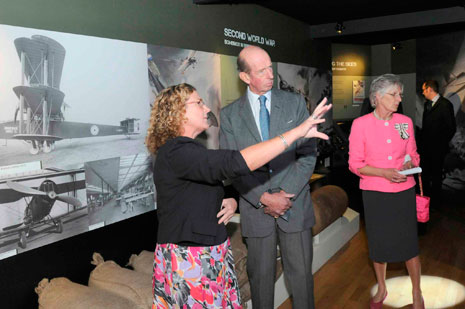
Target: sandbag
pixel 329 203
pixel 143 262
pixel 127 283
pixel 62 293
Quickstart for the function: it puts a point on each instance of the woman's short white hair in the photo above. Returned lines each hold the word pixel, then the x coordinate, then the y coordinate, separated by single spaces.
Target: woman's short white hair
pixel 381 84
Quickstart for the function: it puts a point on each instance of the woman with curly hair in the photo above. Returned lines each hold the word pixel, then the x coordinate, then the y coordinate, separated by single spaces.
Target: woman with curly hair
pixel 193 264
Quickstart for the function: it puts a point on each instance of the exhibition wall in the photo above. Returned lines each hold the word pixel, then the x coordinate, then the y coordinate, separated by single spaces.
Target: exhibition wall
pixel 351 66
pixel 355 66
pixel 68 109
pixel 110 59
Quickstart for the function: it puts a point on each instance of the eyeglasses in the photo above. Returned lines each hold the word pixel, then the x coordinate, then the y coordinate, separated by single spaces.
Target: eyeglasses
pixel 401 95
pixel 199 102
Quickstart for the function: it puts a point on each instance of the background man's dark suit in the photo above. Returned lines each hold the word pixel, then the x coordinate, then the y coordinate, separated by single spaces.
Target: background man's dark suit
pixel 437 130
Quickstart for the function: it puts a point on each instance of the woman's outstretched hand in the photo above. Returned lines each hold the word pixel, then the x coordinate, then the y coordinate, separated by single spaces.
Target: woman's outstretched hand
pixel 310 125
pixel 321 109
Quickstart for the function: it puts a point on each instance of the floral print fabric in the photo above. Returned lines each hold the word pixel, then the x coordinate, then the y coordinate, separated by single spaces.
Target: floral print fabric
pixel 194 277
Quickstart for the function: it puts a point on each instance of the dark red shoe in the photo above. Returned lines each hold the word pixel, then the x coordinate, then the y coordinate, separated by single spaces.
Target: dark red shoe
pixel 379 304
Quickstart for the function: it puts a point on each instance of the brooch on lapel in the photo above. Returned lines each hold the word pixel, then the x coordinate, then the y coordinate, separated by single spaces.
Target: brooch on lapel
pixel 402 129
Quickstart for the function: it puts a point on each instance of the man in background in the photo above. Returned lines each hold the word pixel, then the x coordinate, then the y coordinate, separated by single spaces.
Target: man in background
pixel 438 128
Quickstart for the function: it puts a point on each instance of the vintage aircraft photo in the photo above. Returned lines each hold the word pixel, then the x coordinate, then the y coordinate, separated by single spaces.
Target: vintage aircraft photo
pixel 170 66
pixel 189 61
pixel 40 204
pixel 67 98
pixel 39 118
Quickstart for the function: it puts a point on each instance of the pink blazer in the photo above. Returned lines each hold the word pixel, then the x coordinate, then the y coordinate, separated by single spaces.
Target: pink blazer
pixel 382 144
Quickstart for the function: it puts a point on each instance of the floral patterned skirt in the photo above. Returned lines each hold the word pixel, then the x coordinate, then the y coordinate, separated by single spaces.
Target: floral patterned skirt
pixel 194 277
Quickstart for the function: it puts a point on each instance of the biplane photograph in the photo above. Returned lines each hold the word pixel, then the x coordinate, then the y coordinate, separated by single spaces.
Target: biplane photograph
pixel 119 188
pixel 64 92
pixel 41 207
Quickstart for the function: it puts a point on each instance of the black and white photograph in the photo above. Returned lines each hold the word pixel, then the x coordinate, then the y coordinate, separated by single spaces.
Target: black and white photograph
pixel 41 206
pixel 169 66
pixel 314 85
pixel 66 98
pixel 119 188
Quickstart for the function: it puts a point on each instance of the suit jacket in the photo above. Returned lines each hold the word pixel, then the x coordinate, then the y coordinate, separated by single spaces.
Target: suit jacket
pixel 438 128
pixel 291 170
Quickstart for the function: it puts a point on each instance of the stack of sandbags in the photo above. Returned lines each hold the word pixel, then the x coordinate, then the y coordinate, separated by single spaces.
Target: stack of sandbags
pixel 61 293
pixel 126 283
pixel 143 262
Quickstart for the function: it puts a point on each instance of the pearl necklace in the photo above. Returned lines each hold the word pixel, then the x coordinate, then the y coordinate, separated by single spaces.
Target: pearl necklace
pixel 378 117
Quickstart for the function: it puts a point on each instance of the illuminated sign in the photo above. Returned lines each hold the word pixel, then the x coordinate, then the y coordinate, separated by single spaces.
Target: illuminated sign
pixel 247 37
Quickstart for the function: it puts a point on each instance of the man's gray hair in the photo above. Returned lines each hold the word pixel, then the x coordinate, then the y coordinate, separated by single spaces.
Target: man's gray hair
pixel 381 84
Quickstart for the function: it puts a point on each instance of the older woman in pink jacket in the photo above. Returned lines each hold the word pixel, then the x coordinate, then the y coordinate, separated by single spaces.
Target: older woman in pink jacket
pixel 381 144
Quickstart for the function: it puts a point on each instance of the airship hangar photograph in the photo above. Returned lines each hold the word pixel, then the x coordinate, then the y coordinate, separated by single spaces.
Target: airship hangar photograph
pixel 119 188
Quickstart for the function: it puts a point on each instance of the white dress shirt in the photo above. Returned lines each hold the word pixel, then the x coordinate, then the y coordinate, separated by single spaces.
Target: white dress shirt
pixel 255 105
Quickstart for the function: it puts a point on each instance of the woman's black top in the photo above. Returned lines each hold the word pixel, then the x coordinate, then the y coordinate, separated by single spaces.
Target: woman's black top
pixel 188 179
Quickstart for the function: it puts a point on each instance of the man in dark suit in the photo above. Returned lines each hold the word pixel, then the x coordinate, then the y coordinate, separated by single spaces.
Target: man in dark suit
pixel 438 128
pixel 244 123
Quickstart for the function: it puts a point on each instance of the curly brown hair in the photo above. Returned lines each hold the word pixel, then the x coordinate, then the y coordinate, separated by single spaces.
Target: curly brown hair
pixel 167 115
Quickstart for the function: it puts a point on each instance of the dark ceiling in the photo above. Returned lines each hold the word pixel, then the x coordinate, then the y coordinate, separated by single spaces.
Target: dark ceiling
pixel 321 12
pixel 316 12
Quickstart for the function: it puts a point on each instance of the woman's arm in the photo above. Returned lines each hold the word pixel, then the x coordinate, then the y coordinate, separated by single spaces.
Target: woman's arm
pixel 390 174
pixel 258 155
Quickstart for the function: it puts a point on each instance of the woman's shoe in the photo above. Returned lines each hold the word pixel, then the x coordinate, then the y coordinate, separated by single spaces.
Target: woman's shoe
pixel 379 304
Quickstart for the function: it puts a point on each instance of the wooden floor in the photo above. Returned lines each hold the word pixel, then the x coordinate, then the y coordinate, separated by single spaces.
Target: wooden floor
pixel 346 279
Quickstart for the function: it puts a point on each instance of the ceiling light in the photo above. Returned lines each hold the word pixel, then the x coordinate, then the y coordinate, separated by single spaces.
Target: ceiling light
pixel 396 46
pixel 339 27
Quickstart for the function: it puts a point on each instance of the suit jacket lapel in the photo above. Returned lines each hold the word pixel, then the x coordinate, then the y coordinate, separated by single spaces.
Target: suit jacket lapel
pixel 275 116
pixel 247 117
